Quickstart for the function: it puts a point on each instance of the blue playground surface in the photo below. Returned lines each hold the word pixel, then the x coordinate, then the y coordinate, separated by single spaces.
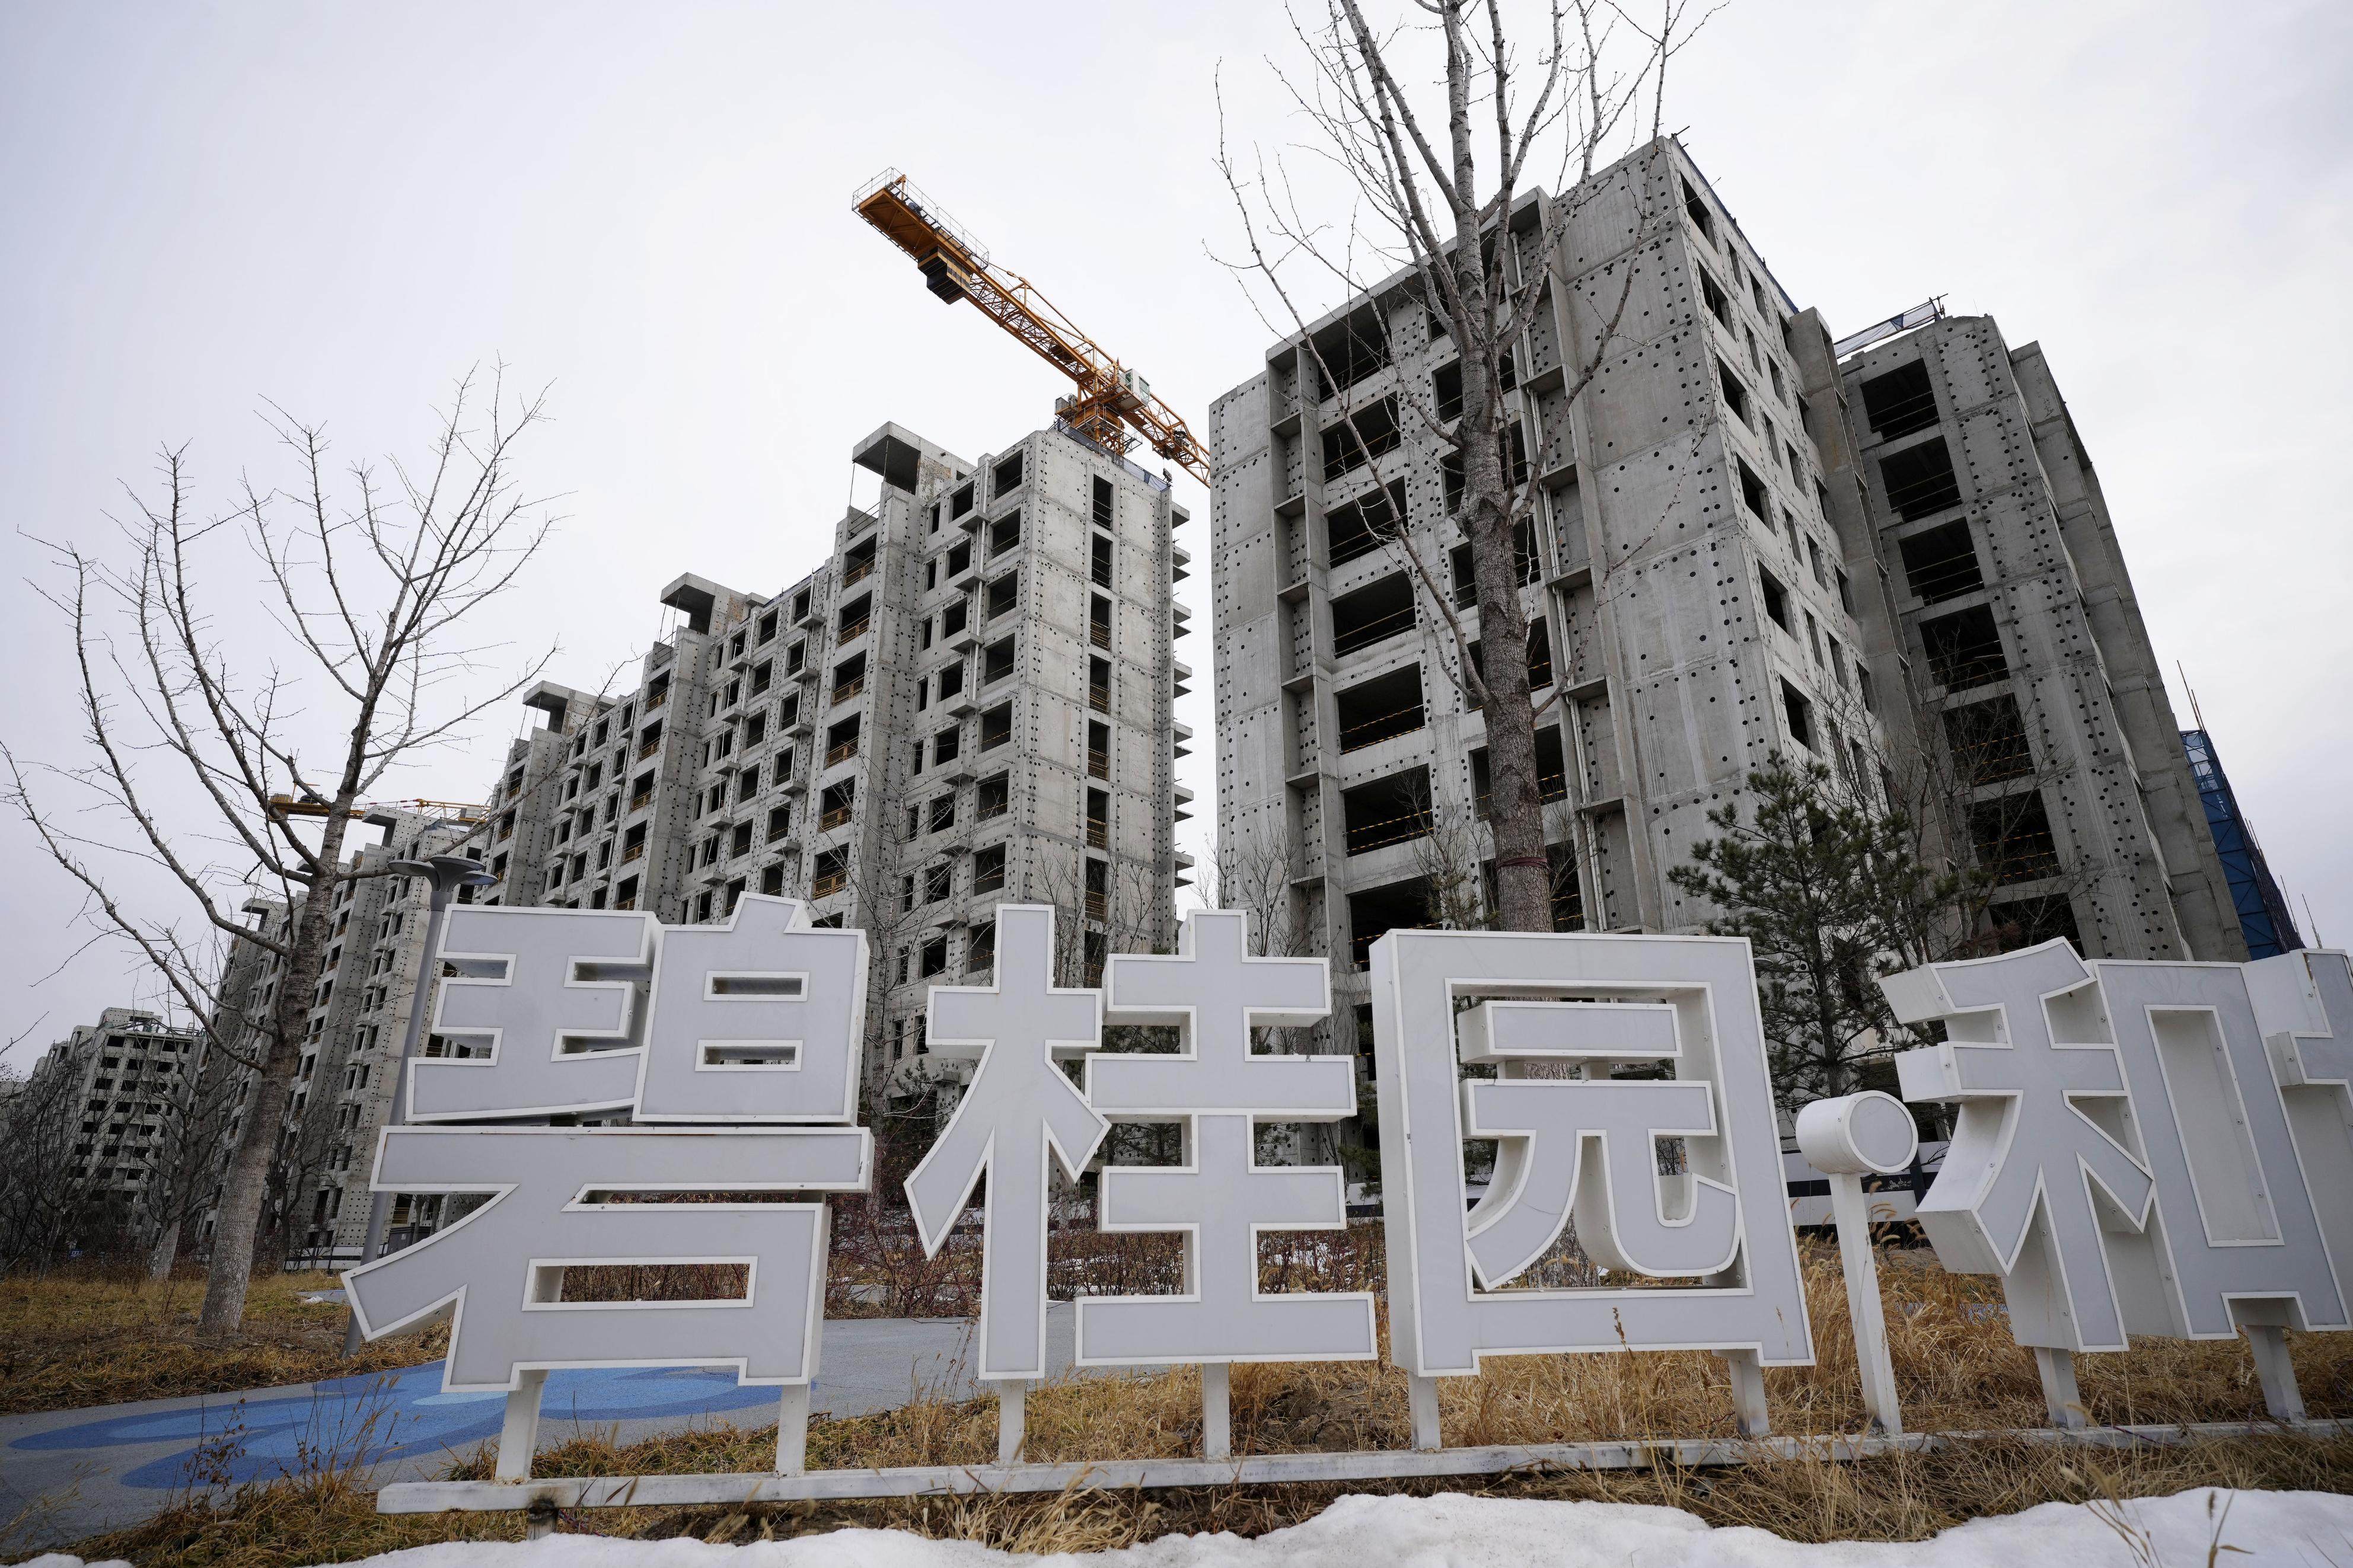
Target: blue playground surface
pixel 383 1415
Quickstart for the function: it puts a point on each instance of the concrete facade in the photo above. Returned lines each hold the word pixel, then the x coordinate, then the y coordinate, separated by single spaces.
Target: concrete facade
pixel 351 1051
pixel 122 1075
pixel 2024 646
pixel 968 703
pixel 1719 570
pixel 1698 607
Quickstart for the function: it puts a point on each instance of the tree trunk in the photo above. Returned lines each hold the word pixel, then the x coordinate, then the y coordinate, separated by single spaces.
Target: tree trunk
pixel 163 1254
pixel 246 1186
pixel 1514 800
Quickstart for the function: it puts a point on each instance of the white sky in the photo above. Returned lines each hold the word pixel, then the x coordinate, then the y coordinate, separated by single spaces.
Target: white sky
pixel 343 208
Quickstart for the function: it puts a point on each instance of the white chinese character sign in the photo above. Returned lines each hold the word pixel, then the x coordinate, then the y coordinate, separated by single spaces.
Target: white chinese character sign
pixel 2138 1148
pixel 2124 1155
pixel 758 1021
pixel 1555 1017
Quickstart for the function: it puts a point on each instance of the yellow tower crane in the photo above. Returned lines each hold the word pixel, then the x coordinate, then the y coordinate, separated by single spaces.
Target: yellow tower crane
pixel 1111 400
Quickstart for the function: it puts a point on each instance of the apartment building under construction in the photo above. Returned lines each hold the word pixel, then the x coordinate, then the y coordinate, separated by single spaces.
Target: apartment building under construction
pixel 968 702
pixel 1717 572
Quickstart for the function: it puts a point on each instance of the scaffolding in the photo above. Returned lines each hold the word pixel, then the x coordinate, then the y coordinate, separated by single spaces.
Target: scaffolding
pixel 2263 910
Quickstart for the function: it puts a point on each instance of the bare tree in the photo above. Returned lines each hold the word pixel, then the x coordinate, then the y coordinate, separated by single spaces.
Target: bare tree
pixel 368 586
pixel 46 1187
pixel 1424 207
pixel 191 1113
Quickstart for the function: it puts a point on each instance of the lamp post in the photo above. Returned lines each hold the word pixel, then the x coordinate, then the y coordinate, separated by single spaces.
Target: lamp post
pixel 446 874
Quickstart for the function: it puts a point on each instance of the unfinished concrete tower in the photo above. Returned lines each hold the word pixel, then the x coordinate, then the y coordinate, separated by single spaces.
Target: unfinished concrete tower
pixel 1692 609
pixel 2025 648
pixel 967 704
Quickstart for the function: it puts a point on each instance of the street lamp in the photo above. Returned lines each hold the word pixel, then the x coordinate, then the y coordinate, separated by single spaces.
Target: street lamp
pixel 446 874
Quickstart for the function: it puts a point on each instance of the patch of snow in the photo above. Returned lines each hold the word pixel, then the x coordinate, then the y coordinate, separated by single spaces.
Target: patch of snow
pixel 2289 1530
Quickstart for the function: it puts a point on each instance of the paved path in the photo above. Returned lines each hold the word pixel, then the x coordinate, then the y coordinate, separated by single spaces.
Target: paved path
pixel 70 1473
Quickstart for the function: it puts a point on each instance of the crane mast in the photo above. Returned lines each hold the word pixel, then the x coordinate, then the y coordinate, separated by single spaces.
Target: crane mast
pixel 1111 400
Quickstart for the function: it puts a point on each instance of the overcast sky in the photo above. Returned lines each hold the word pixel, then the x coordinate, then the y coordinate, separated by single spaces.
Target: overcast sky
pixel 343 208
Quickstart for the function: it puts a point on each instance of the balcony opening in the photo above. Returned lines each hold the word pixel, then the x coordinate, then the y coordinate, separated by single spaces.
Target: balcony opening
pixel 1775 598
pixel 1376 912
pixel 1736 396
pixel 994 798
pixel 1987 741
pixel 1695 207
pixel 1005 533
pixel 1920 480
pixel 1568 895
pixel 854 618
pixel 1373 613
pixel 996 727
pixel 939 882
pixel 1099 556
pixel 858 564
pixel 831 875
pixel 1380 708
pixel 1942 564
pixel 1098 819
pixel 1540 654
pixel 1363 526
pixel 997 661
pixel 1386 811
pixel 772 880
pixel 950 680
pixel 839 803
pixel 960 504
pixel 740 842
pixel 841 740
pixel 1098 749
pixel 1965 648
pixel 1099 621
pixel 1353 348
pixel 780 823
pixel 988 869
pixel 2013 839
pixel 1098 684
pixel 1719 303
pixel 1900 401
pixel 953 618
pixel 1098 890
pixel 1102 502
pixel 1798 712
pixel 1552 771
pixel 1371 433
pixel 848 679
pixel 947 743
pixel 1006 477
pixel 1753 493
pixel 1004 595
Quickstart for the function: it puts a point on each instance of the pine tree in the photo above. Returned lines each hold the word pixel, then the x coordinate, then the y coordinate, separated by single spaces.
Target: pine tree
pixel 1830 893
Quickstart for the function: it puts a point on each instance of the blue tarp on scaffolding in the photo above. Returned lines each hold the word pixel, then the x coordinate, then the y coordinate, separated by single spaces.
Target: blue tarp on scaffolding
pixel 2263 915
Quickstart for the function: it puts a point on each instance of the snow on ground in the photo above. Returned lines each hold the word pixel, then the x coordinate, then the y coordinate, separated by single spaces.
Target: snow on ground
pixel 2305 1530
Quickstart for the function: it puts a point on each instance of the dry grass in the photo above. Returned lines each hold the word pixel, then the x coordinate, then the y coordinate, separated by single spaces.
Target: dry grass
pixel 1958 1370
pixel 78 1338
